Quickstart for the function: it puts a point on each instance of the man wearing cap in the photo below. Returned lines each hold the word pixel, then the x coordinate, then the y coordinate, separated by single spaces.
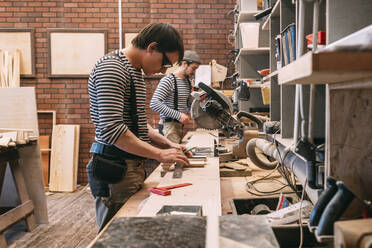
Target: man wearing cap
pixel 172 99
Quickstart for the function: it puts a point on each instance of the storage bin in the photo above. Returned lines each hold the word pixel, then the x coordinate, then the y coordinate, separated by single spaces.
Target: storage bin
pixel 287 235
pixel 252 35
pixel 247 5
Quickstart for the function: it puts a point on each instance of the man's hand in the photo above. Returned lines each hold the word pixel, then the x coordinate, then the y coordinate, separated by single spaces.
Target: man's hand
pixel 184 118
pixel 182 148
pixel 172 155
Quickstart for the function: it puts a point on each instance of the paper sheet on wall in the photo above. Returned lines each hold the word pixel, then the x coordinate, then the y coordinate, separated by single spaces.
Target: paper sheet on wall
pixel 203 74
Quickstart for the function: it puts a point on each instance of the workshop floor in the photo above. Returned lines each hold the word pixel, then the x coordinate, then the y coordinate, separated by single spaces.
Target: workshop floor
pixel 72 221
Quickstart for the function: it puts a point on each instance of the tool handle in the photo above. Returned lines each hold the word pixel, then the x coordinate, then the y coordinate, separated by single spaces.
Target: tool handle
pixel 176 186
pixel 160 191
pixel 322 202
pixel 335 208
pixel 188 150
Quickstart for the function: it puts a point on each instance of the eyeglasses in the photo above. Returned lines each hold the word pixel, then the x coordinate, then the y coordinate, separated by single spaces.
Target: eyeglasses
pixel 166 63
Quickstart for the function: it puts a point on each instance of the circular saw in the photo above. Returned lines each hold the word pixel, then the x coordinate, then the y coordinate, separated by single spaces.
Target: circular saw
pixel 212 109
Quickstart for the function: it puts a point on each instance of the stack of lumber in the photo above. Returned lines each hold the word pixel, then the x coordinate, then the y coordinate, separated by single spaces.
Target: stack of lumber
pixel 12 137
pixel 9 68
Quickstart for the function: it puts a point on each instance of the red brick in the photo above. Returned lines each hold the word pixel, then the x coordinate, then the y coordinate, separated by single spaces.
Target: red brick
pixel 203 25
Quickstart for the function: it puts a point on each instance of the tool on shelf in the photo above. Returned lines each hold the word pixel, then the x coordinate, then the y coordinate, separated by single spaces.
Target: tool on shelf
pixel 166 189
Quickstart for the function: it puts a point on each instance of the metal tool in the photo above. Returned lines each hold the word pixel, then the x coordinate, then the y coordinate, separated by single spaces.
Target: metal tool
pixel 334 209
pixel 212 109
pixel 179 173
pixel 166 189
pixel 178 168
pixel 322 202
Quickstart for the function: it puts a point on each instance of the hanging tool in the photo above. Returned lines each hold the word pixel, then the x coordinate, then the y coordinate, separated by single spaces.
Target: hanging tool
pixel 334 209
pixel 166 189
pixel 322 202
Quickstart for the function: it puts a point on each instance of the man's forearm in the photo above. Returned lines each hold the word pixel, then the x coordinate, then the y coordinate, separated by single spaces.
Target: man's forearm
pixel 131 144
pixel 158 139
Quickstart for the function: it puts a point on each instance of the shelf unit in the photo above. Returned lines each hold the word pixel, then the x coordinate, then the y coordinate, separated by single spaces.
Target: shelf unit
pixel 275 12
pixel 252 51
pixel 343 80
pixel 251 59
pixel 327 67
pixel 246 16
pixel 343 83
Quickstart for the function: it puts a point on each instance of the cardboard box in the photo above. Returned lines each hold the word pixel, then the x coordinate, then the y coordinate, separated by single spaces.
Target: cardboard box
pixel 218 72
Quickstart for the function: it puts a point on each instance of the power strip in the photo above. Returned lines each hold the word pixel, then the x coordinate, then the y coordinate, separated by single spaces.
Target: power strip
pixel 290 214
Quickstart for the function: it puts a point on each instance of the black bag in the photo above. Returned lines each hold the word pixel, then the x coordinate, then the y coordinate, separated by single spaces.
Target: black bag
pixel 108 169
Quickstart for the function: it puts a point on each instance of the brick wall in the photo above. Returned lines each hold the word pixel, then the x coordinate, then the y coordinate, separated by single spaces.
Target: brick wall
pixel 203 25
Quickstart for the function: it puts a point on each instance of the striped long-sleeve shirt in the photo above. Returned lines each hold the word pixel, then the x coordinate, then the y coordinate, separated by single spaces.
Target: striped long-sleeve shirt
pixel 110 92
pixel 163 99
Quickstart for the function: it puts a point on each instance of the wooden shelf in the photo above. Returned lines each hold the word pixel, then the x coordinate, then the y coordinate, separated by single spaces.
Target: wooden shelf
pixel 327 67
pixel 275 12
pixel 246 16
pixel 266 78
pixel 255 85
pixel 252 51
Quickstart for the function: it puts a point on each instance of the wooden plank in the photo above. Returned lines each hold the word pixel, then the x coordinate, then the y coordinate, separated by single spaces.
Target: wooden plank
pixel 349 233
pixel 204 191
pixel 63 163
pixel 23 195
pixel 235 173
pixel 327 67
pixel 349 140
pixel 18 113
pixel 2 241
pixel 45 157
pixel 14 215
pixel 16 73
pixel 76 154
pixel 53 112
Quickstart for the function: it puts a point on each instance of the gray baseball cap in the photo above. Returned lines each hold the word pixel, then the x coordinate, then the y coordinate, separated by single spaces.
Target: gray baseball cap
pixel 191 56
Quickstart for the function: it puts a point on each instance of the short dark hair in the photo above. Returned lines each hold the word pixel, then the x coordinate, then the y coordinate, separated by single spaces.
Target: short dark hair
pixel 167 37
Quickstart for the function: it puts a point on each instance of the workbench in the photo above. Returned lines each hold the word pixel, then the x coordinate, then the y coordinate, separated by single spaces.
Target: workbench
pixel 207 190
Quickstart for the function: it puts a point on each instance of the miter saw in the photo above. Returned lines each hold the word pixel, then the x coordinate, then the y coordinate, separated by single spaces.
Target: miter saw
pixel 211 109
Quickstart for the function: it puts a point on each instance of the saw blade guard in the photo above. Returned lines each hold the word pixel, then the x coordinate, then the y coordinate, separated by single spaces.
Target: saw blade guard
pixel 208 107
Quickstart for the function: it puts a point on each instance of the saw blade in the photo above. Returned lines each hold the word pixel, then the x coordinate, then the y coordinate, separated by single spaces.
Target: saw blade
pixel 216 95
pixel 205 120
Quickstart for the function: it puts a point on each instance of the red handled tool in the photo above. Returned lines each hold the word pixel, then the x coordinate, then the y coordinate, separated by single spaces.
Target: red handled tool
pixel 166 189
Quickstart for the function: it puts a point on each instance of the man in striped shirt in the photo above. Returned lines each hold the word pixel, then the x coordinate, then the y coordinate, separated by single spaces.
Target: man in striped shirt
pixel 123 138
pixel 172 97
